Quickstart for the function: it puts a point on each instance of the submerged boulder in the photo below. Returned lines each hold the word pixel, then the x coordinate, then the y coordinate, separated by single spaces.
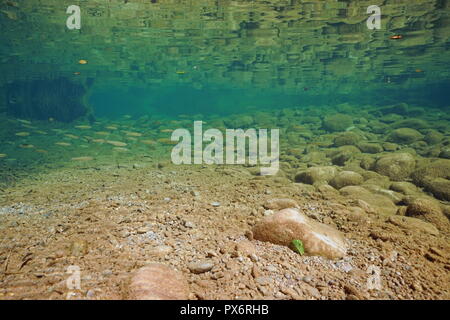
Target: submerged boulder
pixel 397 166
pixel 337 122
pixel 378 203
pixel 316 175
pixel 405 135
pixel 413 224
pixel 369 147
pixel 347 139
pixel 435 178
pixel 433 137
pixel 290 224
pixel 346 178
pixel 428 210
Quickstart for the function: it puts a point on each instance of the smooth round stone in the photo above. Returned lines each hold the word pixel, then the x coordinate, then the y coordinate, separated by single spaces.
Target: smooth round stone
pixel 200 266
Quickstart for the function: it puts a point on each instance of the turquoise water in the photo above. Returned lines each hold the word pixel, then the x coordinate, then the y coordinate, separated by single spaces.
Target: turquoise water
pixel 150 67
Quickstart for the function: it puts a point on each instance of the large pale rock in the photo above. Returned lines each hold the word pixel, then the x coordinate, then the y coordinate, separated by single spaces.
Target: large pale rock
pixel 290 224
pixel 158 282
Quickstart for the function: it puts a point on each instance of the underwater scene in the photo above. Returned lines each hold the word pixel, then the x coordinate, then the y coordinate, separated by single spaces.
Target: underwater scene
pixel 224 150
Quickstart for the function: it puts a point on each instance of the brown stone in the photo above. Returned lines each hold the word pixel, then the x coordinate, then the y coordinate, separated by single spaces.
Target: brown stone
pixel 290 224
pixel 158 282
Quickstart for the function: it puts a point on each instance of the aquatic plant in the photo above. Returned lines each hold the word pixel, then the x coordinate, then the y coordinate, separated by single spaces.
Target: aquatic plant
pixel 298 246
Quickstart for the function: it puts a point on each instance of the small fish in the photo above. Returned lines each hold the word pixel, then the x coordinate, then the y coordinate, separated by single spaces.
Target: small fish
pixel 3 155
pixel 99 140
pixel 102 133
pixel 24 121
pixel 396 37
pixel 26 146
pixel 167 141
pixel 41 151
pixel 10 14
pixel 148 142
pixel 166 130
pixel 121 149
pixel 63 144
pixel 116 143
pixel 76 73
pixel 82 159
pixel 111 127
pixel 180 72
pixel 40 132
pixel 419 70
pixel 72 136
pixel 83 127
pixel 133 134
pixel 22 134
pixel 82 61
pixel 28 126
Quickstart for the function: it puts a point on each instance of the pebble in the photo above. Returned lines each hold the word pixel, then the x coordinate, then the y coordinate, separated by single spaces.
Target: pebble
pixel 271 268
pixel 142 230
pixel 107 273
pixel 90 293
pixel 160 250
pixel 202 266
pixel 268 213
pixel 344 266
pixel 264 281
pixel 189 224
pixel 78 248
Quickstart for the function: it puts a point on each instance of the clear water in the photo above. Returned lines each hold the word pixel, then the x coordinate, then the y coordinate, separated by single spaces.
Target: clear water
pixel 101 102
pixel 142 61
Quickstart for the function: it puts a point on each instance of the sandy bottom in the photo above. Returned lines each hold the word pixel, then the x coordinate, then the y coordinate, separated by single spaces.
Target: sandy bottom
pixel 110 220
